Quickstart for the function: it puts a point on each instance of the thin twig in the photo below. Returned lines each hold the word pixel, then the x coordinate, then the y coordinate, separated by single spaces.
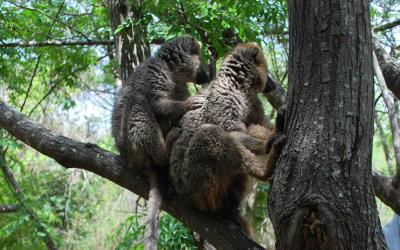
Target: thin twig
pixel 45 96
pixel 30 82
pixel 50 17
pixel 389 101
pixel 384 144
pixel 389 25
pixel 52 88
pixel 39 57
pixel 21 198
pixel 56 43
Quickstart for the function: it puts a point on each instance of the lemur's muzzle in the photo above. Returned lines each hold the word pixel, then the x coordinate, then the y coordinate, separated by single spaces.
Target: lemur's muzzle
pixel 270 86
pixel 202 75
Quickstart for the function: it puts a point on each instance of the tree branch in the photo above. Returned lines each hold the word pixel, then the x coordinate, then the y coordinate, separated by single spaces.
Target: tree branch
pixel 394 126
pixel 9 208
pixel 277 97
pixel 386 192
pixel 390 68
pixel 386 188
pixel 389 25
pixel 55 43
pixel 60 43
pixel 69 153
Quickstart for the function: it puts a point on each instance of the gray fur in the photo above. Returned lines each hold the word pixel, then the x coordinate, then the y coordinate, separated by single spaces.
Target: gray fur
pixel 149 104
pixel 152 101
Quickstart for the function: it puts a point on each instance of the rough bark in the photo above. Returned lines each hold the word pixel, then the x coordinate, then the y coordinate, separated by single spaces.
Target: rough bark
pixel 390 68
pixel 322 195
pixel 130 44
pixel 73 154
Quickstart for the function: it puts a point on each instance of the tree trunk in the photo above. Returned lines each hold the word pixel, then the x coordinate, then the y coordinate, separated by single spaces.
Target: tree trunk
pixel 130 44
pixel 322 195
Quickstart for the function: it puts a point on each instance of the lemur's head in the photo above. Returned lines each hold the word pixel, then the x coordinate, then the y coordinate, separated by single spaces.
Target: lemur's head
pixel 246 65
pixel 183 57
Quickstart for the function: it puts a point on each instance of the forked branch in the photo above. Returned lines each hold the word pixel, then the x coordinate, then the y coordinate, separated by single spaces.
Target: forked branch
pixel 69 153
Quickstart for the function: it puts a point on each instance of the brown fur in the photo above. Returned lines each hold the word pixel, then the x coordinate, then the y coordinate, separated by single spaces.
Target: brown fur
pixel 225 140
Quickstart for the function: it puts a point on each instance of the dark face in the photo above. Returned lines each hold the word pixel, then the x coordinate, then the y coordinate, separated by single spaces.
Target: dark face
pixel 270 86
pixel 195 68
pixel 202 76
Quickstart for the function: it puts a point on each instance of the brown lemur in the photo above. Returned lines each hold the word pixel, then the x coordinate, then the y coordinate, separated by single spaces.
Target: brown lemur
pixel 225 140
pixel 149 104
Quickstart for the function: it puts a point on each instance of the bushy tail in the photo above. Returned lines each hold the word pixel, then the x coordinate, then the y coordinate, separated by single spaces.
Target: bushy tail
pixel 158 189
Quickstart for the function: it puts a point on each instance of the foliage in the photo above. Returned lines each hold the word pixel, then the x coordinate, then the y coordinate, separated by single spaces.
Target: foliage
pixel 132 232
pixel 58 68
pixel 173 235
pixel 209 21
pixel 382 12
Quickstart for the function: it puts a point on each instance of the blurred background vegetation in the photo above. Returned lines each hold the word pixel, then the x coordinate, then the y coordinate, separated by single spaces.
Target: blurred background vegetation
pixel 71 90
